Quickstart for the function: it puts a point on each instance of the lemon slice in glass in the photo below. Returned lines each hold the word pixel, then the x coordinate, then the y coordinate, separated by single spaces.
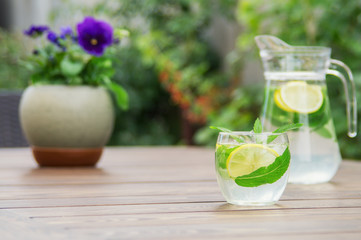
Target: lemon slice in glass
pixel 300 97
pixel 248 158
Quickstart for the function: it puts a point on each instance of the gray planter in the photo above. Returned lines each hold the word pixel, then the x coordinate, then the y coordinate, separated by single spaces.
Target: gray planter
pixel 66 118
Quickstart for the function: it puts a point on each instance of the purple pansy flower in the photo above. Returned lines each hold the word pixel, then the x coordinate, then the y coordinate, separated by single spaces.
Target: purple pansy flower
pixel 52 37
pixel 35 31
pixel 94 35
pixel 66 32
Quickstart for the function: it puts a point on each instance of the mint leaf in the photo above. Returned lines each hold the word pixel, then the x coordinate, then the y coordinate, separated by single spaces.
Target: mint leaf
pixel 268 174
pixel 257 127
pixel 222 154
pixel 283 129
pixel 239 139
pixel 326 130
pixel 221 129
pixel 288 127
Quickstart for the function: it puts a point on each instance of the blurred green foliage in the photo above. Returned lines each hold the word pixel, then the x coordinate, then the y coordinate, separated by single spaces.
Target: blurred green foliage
pixel 12 52
pixel 151 119
pixel 307 22
pixel 239 113
pixel 173 40
pixel 171 37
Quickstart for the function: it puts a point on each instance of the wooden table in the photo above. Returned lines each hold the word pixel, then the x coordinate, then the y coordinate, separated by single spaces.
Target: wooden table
pixel 164 193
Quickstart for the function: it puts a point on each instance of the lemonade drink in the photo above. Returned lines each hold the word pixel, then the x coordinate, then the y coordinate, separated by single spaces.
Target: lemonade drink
pixel 302 98
pixel 236 160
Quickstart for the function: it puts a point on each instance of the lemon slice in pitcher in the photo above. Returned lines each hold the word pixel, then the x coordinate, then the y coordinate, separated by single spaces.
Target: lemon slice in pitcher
pixel 300 97
pixel 248 158
pixel 279 102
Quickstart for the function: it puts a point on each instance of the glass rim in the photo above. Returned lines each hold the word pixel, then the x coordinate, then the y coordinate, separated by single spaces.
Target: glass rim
pixel 310 50
pixel 249 133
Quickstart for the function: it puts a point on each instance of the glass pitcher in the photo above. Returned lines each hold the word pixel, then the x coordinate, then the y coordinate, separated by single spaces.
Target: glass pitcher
pixel 296 92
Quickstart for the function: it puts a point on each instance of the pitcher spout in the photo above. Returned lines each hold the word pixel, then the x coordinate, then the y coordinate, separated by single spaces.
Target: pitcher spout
pixel 268 42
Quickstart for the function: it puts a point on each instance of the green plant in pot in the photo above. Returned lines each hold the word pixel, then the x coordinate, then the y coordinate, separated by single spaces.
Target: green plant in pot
pixel 67 112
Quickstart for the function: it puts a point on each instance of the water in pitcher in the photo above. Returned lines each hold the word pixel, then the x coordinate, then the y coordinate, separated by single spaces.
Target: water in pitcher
pixel 302 98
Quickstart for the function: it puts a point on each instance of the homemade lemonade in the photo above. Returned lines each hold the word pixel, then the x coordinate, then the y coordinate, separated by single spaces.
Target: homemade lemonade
pixel 252 171
pixel 301 97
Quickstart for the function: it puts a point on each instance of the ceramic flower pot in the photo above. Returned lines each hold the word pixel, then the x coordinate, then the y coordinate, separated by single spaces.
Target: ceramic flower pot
pixel 66 125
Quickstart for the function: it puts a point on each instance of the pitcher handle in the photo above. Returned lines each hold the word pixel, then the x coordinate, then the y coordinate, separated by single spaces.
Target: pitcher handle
pixel 350 93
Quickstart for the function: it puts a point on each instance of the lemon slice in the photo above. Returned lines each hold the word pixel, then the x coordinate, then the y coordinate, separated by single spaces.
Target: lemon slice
pixel 279 102
pixel 300 97
pixel 248 158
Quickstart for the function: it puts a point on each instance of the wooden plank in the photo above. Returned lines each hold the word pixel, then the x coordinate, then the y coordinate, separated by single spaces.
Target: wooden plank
pixel 123 156
pixel 319 191
pixel 188 234
pixel 185 233
pixel 101 176
pixel 262 222
pixel 252 228
pixel 15 226
pixel 119 208
pixel 292 236
pixel 108 201
pixel 107 190
pixel 165 197
pixel 210 232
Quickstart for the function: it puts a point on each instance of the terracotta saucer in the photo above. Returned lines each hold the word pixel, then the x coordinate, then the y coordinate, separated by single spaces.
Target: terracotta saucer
pixel 66 157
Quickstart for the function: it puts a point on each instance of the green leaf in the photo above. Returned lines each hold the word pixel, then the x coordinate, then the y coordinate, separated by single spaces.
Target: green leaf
pixel 257 127
pixel 222 129
pixel 326 130
pixel 75 80
pixel 288 127
pixel 222 154
pixel 71 68
pixel 120 94
pixel 36 77
pixel 239 139
pixel 268 174
pixel 283 129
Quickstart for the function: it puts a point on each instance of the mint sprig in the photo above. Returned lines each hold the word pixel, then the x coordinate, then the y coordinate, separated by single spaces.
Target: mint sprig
pixel 268 174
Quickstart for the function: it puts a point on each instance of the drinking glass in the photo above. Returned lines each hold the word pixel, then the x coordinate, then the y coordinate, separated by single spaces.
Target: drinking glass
pixel 252 168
